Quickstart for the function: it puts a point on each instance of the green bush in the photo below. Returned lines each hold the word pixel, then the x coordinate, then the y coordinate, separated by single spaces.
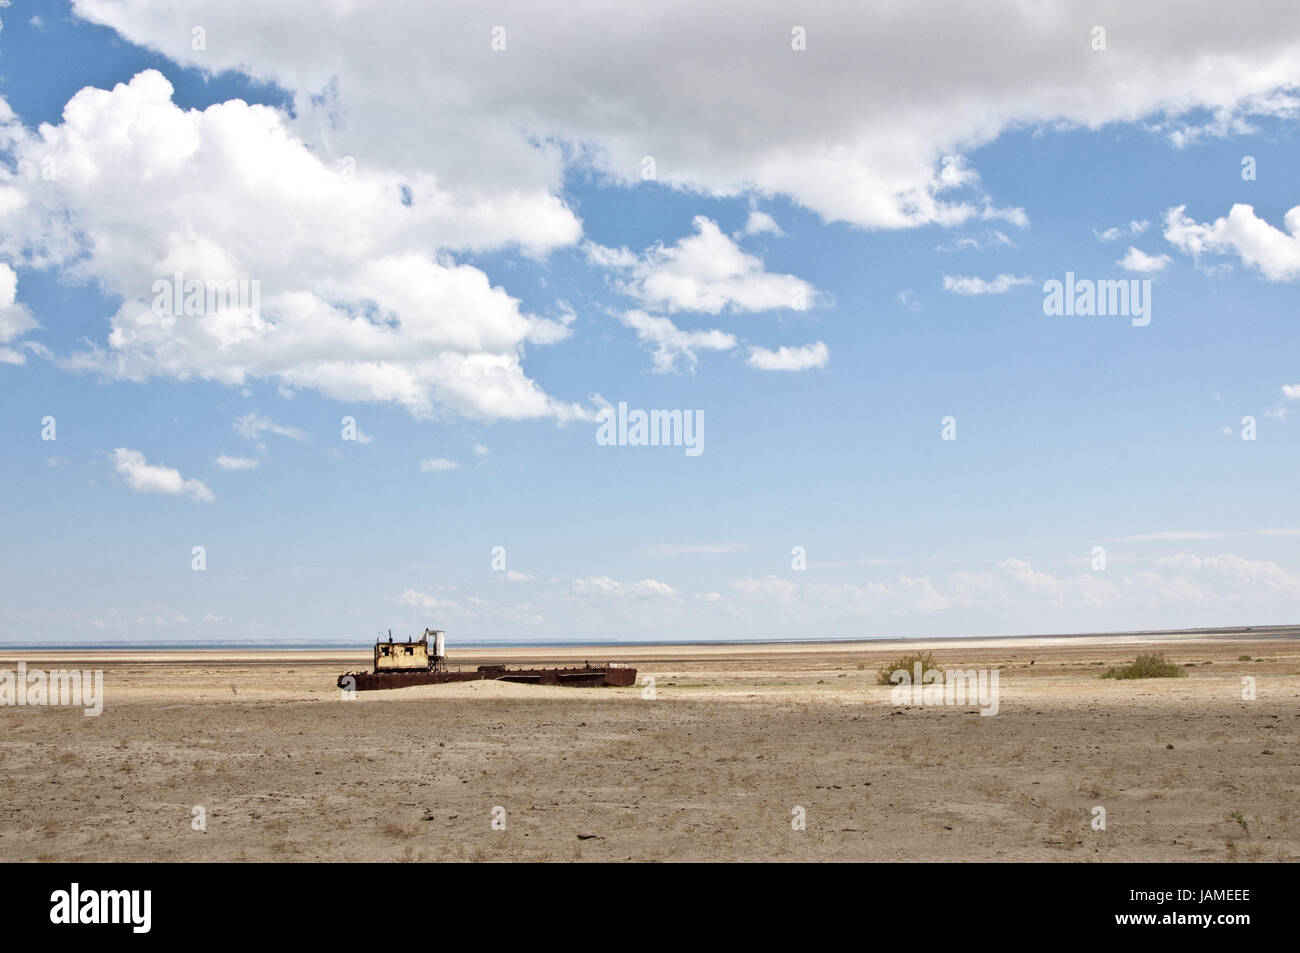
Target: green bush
pixel 907 662
pixel 1146 666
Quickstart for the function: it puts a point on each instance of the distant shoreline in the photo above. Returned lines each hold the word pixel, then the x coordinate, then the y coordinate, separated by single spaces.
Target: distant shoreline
pixel 289 645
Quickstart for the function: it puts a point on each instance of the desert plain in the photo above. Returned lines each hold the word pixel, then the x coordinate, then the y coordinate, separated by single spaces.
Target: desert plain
pixel 737 746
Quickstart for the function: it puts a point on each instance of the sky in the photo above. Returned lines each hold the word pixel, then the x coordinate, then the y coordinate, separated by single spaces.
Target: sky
pixel 827 238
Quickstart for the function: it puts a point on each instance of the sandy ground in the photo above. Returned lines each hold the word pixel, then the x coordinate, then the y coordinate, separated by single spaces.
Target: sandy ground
pixel 713 768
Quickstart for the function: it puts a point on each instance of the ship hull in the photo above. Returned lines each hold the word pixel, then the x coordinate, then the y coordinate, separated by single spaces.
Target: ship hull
pixel 586 676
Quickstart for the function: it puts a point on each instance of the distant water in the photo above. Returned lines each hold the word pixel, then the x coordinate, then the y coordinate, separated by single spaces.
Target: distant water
pixel 282 645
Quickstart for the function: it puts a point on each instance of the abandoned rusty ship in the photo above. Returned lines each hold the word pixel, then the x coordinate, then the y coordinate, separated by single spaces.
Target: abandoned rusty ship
pixel 423 661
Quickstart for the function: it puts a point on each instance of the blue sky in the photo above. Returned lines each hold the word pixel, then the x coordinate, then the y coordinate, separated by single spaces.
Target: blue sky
pixel 1072 432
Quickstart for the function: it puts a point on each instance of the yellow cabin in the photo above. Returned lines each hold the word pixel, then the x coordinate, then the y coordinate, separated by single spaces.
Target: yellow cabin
pixel 408 656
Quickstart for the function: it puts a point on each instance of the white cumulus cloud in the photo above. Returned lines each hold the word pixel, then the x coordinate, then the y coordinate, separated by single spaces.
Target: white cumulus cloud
pixel 357 297
pixel 225 462
pixel 668 343
pixel 1137 260
pixel 861 127
pixel 15 319
pixel 1134 227
pixel 143 477
pixel 253 425
pixel 802 358
pixel 1275 253
pixel 605 587
pixel 760 223
pixel 969 285
pixel 705 271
